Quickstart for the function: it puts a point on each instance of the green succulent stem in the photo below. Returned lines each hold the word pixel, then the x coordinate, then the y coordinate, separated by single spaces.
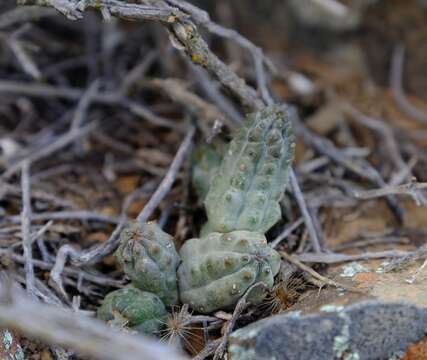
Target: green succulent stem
pixel 251 180
pixel 241 189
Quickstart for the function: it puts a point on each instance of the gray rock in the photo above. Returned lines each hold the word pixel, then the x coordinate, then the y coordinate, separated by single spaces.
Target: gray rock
pixel 365 331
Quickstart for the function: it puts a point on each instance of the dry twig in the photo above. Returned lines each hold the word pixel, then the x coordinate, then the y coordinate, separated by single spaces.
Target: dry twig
pixel 70 329
pixel 396 75
pixel 315 274
pixel 26 228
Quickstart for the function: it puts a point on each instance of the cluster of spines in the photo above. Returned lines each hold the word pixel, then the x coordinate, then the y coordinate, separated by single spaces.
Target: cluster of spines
pixel 253 175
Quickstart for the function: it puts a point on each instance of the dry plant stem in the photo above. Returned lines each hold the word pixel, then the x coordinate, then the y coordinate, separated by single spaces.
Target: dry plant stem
pixel 108 98
pixel 183 30
pixel 286 232
pixel 202 17
pixel 24 14
pixel 26 228
pixel 414 277
pixel 75 273
pixel 73 9
pixel 261 78
pixel 214 94
pixel 407 259
pixel 41 231
pixel 240 306
pixel 305 213
pixel 81 215
pixel 169 179
pixel 81 112
pixel 56 145
pixel 208 350
pixel 63 253
pixel 88 336
pixel 315 274
pixel 408 189
pixel 178 92
pixel 199 52
pixel 27 64
pixel 83 105
pixel 137 72
pixel 35 194
pixel 44 293
pixel 361 168
pixel 363 243
pixel 332 258
pixel 396 75
pixel 384 130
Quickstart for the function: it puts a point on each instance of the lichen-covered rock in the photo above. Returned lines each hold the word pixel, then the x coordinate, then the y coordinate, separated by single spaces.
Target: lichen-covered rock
pixel 217 269
pixel 206 164
pixel 149 259
pixel 366 331
pixel 10 347
pixel 253 175
pixel 138 310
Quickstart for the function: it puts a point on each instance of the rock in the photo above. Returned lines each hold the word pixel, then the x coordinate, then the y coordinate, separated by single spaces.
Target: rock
pixel 368 330
pixel 10 348
pixel 386 318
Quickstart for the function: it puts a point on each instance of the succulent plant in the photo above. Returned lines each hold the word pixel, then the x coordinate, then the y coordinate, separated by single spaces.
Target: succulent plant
pixel 207 160
pixel 217 269
pixel 253 175
pixel 138 310
pixel 243 191
pixel 148 257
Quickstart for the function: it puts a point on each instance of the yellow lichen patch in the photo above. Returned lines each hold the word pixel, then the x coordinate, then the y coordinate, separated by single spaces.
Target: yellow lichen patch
pixel 198 59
